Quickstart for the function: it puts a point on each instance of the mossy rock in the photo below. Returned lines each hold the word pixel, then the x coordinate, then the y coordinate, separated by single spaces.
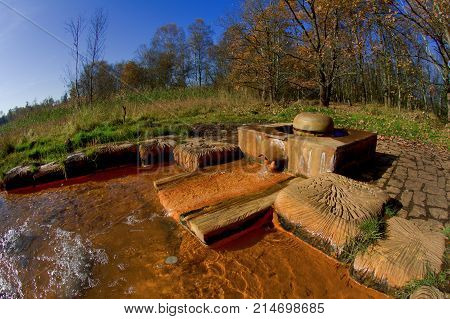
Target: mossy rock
pixel 156 150
pixel 48 173
pixel 114 155
pixel 78 164
pixel 20 176
pixel 196 153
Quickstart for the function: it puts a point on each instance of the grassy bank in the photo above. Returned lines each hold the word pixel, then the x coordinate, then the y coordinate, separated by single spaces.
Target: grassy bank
pixel 40 135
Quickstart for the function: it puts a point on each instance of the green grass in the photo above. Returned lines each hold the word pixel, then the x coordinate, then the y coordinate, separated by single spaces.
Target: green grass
pixel 370 231
pixel 40 135
pixel 438 280
pixel 446 232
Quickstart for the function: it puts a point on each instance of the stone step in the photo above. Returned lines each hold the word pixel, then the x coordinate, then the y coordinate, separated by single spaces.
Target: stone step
pixel 231 217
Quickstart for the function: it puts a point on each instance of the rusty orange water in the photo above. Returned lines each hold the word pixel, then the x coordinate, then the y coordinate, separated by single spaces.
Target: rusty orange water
pixel 108 237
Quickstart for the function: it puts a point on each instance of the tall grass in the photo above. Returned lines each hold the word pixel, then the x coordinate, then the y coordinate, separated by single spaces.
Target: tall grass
pixel 40 134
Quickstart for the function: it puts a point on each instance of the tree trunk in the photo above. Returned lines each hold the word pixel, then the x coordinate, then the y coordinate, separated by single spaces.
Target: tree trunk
pixel 325 91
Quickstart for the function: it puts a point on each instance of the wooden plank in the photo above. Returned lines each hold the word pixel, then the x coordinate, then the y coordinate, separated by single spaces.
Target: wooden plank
pixel 230 217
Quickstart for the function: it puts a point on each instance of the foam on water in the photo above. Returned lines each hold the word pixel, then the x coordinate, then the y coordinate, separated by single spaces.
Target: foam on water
pixel 68 265
pixel 11 248
pixel 72 263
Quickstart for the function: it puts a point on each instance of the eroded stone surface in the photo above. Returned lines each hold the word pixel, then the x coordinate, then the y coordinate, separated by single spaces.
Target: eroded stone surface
pixel 17 177
pixel 198 153
pixel 115 154
pixel 330 208
pixel 78 164
pixel 406 254
pixel 427 292
pixel 156 150
pixel 48 173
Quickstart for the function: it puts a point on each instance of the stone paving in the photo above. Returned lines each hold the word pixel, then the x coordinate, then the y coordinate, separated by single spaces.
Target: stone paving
pixel 415 175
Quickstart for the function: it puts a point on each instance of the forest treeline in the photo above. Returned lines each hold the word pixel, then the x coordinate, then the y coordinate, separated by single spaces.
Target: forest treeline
pixel 389 52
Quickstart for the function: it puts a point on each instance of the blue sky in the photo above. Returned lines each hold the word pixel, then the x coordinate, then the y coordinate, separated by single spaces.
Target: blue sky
pixel 33 64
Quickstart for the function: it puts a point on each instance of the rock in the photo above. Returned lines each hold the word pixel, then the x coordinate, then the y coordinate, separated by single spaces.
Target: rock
pixel 329 208
pixel 437 201
pixel 171 260
pixel 417 211
pixel 114 155
pixel 313 122
pixel 429 225
pixel 199 153
pixel 48 173
pixel 156 150
pixel 439 213
pixel 406 197
pixel 78 164
pixel 20 176
pixel 406 254
pixel 427 292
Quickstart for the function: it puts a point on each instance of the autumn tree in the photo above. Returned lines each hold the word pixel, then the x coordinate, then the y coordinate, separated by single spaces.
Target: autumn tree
pixel 132 76
pixel 319 29
pixel 257 48
pixel 166 60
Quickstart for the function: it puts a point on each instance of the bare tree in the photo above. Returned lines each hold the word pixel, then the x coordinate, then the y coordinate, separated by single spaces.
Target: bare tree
pixel 75 28
pixel 95 46
pixel 200 41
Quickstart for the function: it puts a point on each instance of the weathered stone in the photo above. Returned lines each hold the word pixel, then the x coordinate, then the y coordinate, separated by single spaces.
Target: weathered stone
pixel 402 213
pixel 313 122
pixel 401 172
pixel 78 164
pixel 156 150
pixel 412 173
pixel 413 184
pixel 198 153
pixel 427 292
pixel 428 225
pixel 395 182
pixel 433 189
pixel 417 211
pixel 251 137
pixel 114 155
pixel 431 169
pixel 311 156
pixel 48 173
pixel 329 209
pixel 406 197
pixel 406 254
pixel 427 176
pixel 437 201
pixel 20 176
pixel 439 213
pixel 419 198
pixel 307 155
pixel 393 191
pixel 441 182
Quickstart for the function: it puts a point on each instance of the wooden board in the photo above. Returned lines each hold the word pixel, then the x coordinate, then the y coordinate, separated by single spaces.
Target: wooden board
pixel 230 217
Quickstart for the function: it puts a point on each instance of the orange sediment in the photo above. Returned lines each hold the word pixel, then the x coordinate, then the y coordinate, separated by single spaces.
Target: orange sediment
pixel 216 185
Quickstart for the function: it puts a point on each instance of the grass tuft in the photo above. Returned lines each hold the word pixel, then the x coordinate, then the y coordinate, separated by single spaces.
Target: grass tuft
pixel 370 231
pixel 438 280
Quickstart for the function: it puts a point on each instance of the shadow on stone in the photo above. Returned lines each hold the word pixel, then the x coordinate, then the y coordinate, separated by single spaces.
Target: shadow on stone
pixel 371 170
